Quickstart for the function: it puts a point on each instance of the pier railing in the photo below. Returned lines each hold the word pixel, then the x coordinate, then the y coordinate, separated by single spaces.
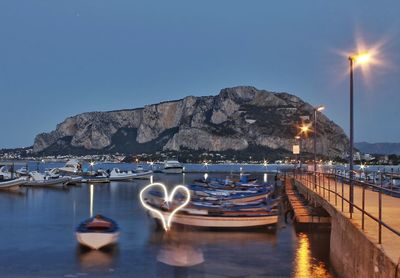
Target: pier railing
pixel 332 187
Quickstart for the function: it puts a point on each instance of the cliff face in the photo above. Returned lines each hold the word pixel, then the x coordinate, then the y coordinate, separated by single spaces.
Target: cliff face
pixel 235 119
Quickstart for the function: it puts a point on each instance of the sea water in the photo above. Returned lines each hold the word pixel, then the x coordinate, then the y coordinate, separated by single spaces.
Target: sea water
pixel 37 239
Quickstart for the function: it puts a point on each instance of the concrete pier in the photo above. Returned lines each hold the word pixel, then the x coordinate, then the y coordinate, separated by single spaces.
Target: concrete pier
pixel 303 212
pixel 355 252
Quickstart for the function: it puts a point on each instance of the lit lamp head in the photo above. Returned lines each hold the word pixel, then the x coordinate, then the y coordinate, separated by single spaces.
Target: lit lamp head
pixel 320 108
pixel 92 163
pixel 361 58
pixel 304 128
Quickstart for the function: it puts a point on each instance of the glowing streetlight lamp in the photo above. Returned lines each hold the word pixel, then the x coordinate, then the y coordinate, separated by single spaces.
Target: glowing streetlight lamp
pixel 360 58
pixel 304 128
pixel 316 109
pixel 91 167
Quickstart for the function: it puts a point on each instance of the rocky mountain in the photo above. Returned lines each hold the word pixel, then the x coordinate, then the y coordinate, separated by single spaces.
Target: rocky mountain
pixel 237 119
pixel 378 148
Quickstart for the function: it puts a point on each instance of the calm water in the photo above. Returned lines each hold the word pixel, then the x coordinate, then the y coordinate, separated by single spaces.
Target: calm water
pixel 37 240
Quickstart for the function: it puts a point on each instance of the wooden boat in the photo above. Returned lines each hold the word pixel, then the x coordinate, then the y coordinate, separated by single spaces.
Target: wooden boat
pixel 255 220
pixel 97 232
pixel 224 191
pixel 38 179
pixel 249 195
pixel 238 198
pixel 12 184
pixel 233 181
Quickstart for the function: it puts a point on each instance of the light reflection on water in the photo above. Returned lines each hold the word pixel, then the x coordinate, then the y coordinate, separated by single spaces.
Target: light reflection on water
pixel 42 222
pixel 305 265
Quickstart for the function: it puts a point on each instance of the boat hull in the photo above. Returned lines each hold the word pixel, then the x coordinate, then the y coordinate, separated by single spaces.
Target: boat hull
pixel 75 180
pixel 95 180
pixel 240 200
pixel 12 185
pixel 52 182
pixel 128 177
pixel 97 240
pixel 244 222
pixel 177 170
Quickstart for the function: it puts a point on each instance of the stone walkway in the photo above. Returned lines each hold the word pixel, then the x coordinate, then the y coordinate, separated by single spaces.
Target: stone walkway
pixel 390 213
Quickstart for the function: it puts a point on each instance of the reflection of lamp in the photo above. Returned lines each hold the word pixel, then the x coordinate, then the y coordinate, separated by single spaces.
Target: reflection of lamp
pixel 91 200
pixel 304 264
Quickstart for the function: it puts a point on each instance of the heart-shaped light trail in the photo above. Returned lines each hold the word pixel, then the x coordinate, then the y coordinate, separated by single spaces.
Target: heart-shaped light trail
pixel 168 199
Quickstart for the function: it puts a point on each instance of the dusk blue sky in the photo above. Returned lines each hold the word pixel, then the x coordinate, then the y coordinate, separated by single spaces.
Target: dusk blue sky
pixel 61 58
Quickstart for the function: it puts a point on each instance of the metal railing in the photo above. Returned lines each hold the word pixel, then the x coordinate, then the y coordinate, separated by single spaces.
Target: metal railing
pixel 332 185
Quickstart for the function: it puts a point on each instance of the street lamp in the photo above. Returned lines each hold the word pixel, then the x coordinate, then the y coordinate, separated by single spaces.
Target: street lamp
pixel 304 129
pixel 297 151
pixel 91 167
pixel 316 109
pixel 360 59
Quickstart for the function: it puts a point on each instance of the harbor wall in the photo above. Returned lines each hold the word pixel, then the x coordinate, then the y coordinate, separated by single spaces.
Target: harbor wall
pixel 352 253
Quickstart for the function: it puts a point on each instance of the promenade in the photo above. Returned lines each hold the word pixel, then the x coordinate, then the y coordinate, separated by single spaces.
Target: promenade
pixel 390 209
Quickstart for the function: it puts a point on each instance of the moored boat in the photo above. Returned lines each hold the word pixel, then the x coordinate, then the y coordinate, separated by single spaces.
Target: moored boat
pixel 23 171
pixel 118 175
pixel 72 167
pixel 226 221
pixel 99 176
pixel 74 180
pixel 248 208
pixel 5 173
pixel 172 167
pixel 12 184
pixel 38 179
pixel 97 232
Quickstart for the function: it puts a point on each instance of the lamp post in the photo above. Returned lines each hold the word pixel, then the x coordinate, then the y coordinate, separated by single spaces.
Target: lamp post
pixel 304 129
pixel 316 109
pixel 296 152
pixel 360 58
pixel 297 141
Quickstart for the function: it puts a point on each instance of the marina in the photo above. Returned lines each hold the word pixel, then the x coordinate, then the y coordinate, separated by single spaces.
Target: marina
pixel 279 251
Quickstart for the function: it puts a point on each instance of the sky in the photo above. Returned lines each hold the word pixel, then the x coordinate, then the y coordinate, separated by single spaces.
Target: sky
pixel 61 58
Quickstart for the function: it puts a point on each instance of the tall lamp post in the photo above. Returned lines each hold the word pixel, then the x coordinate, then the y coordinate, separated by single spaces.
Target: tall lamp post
pixel 316 109
pixel 304 129
pixel 360 58
pixel 296 152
